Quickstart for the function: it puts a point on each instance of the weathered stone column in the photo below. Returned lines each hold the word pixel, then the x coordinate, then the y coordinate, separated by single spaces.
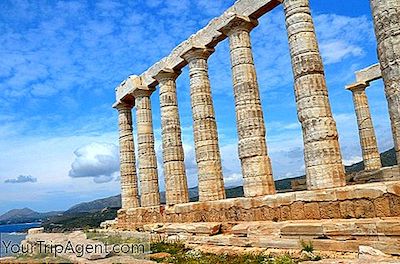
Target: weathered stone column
pixel 366 130
pixel 211 182
pixel 386 15
pixel 174 166
pixel 323 159
pixel 129 187
pixel 253 154
pixel 150 195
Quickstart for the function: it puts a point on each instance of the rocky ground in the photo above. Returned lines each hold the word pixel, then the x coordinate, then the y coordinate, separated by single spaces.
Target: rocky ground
pixel 179 253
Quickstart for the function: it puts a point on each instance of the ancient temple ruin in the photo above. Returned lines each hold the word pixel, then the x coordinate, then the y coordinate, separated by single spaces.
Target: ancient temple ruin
pixel 375 205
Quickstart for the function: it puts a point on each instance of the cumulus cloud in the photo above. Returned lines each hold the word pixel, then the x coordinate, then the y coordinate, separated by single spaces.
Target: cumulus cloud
pixel 341 37
pixel 22 179
pixel 99 161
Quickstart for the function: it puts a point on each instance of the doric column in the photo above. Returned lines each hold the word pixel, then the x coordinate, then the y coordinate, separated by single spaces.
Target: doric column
pixel 386 15
pixel 211 182
pixel 253 154
pixel 366 130
pixel 129 187
pixel 150 195
pixel 323 159
pixel 174 166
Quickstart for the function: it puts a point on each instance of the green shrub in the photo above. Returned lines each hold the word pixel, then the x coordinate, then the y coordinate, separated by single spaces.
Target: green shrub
pixel 307 246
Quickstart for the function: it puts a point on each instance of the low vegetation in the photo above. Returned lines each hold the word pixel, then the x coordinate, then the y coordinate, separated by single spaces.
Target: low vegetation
pixel 177 253
pixel 76 221
pixel 39 258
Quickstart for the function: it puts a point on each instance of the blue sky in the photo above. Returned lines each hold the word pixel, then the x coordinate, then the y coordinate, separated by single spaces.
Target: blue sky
pixel 60 62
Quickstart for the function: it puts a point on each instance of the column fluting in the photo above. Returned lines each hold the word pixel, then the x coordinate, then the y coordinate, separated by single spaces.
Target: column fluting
pixel 129 186
pixel 323 159
pixel 386 16
pixel 150 195
pixel 208 158
pixel 253 153
pixel 366 129
pixel 173 155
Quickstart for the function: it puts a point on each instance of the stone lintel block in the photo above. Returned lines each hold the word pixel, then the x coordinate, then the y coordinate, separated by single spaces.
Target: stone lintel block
pixel 197 52
pixel 208 36
pixel 126 87
pixel 166 73
pixel 369 74
pixel 358 86
pixel 236 22
pixel 141 90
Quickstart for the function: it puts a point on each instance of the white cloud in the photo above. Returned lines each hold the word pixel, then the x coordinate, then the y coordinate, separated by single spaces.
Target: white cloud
pixel 96 160
pixel 341 37
pixel 336 51
pixel 352 160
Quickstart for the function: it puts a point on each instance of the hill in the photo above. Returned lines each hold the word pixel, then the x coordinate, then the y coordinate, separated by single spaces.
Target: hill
pixel 24 215
pixel 96 205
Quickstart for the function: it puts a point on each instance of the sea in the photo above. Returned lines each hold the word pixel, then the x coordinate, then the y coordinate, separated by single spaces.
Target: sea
pixel 13 235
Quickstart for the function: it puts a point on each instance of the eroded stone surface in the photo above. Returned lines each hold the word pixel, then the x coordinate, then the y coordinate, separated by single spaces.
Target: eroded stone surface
pixel 386 14
pixel 129 186
pixel 208 157
pixel 176 189
pixel 356 201
pixel 256 164
pixel 150 195
pixel 369 145
pixel 324 168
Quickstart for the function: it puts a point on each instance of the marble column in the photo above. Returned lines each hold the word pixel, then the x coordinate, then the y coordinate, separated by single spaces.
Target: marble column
pixel 323 160
pixel 150 195
pixel 208 158
pixel 386 14
pixel 174 166
pixel 369 146
pixel 253 154
pixel 129 187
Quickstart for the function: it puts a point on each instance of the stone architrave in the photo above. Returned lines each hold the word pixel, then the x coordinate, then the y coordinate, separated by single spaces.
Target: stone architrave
pixel 174 166
pixel 149 195
pixel 323 159
pixel 129 186
pixel 369 146
pixel 386 14
pixel 208 158
pixel 253 154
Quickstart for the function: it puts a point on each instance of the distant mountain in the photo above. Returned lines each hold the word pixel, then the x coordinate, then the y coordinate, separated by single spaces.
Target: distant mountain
pixel 388 158
pixel 24 215
pixel 96 205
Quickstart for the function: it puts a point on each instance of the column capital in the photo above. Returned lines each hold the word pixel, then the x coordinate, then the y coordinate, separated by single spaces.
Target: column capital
pixel 196 52
pixel 358 86
pixel 238 23
pixel 167 74
pixel 143 91
pixel 122 106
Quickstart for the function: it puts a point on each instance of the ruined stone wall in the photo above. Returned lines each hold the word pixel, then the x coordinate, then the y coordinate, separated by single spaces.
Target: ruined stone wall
pixel 357 201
